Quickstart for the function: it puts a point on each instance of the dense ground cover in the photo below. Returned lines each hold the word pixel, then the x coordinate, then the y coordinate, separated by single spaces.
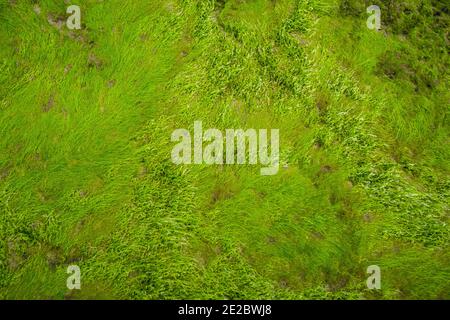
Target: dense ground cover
pixel 85 171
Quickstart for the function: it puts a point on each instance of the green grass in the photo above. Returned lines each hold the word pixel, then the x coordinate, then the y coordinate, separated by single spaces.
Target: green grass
pixel 85 170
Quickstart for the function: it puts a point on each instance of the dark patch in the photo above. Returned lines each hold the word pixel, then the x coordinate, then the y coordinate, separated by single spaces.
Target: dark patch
pixel 318 143
pixel 220 193
pixel 341 214
pixel 354 8
pixel 333 198
pixel 317 146
pixel 322 103
pixel 54 258
pixel 397 66
pixel 219 5
pixel 74 256
pixel 338 284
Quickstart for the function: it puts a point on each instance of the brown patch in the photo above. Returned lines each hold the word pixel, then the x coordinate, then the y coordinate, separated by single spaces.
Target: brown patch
pixel 317 235
pixel 37 9
pixel 80 225
pixel 326 169
pixel 94 61
pixel 238 105
pixel 36 225
pixel 111 83
pixel 82 193
pixel 367 217
pixel 220 193
pixel 300 40
pixel 81 37
pixel 15 255
pixel 261 194
pixel 396 249
pixel 56 21
pixel 170 7
pixel 283 283
pixel 133 274
pixel 271 240
pixel 37 161
pixel 67 69
pixel 65 113
pixel 144 37
pixel 217 250
pixel 142 171
pixel 49 105
pixel 43 196
pixel 4 172
pixel 69 295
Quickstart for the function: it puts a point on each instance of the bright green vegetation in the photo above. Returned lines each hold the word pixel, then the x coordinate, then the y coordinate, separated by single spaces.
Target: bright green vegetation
pixel 85 170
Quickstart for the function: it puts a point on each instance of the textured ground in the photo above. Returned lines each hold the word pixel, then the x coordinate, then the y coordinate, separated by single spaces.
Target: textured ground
pixel 85 171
